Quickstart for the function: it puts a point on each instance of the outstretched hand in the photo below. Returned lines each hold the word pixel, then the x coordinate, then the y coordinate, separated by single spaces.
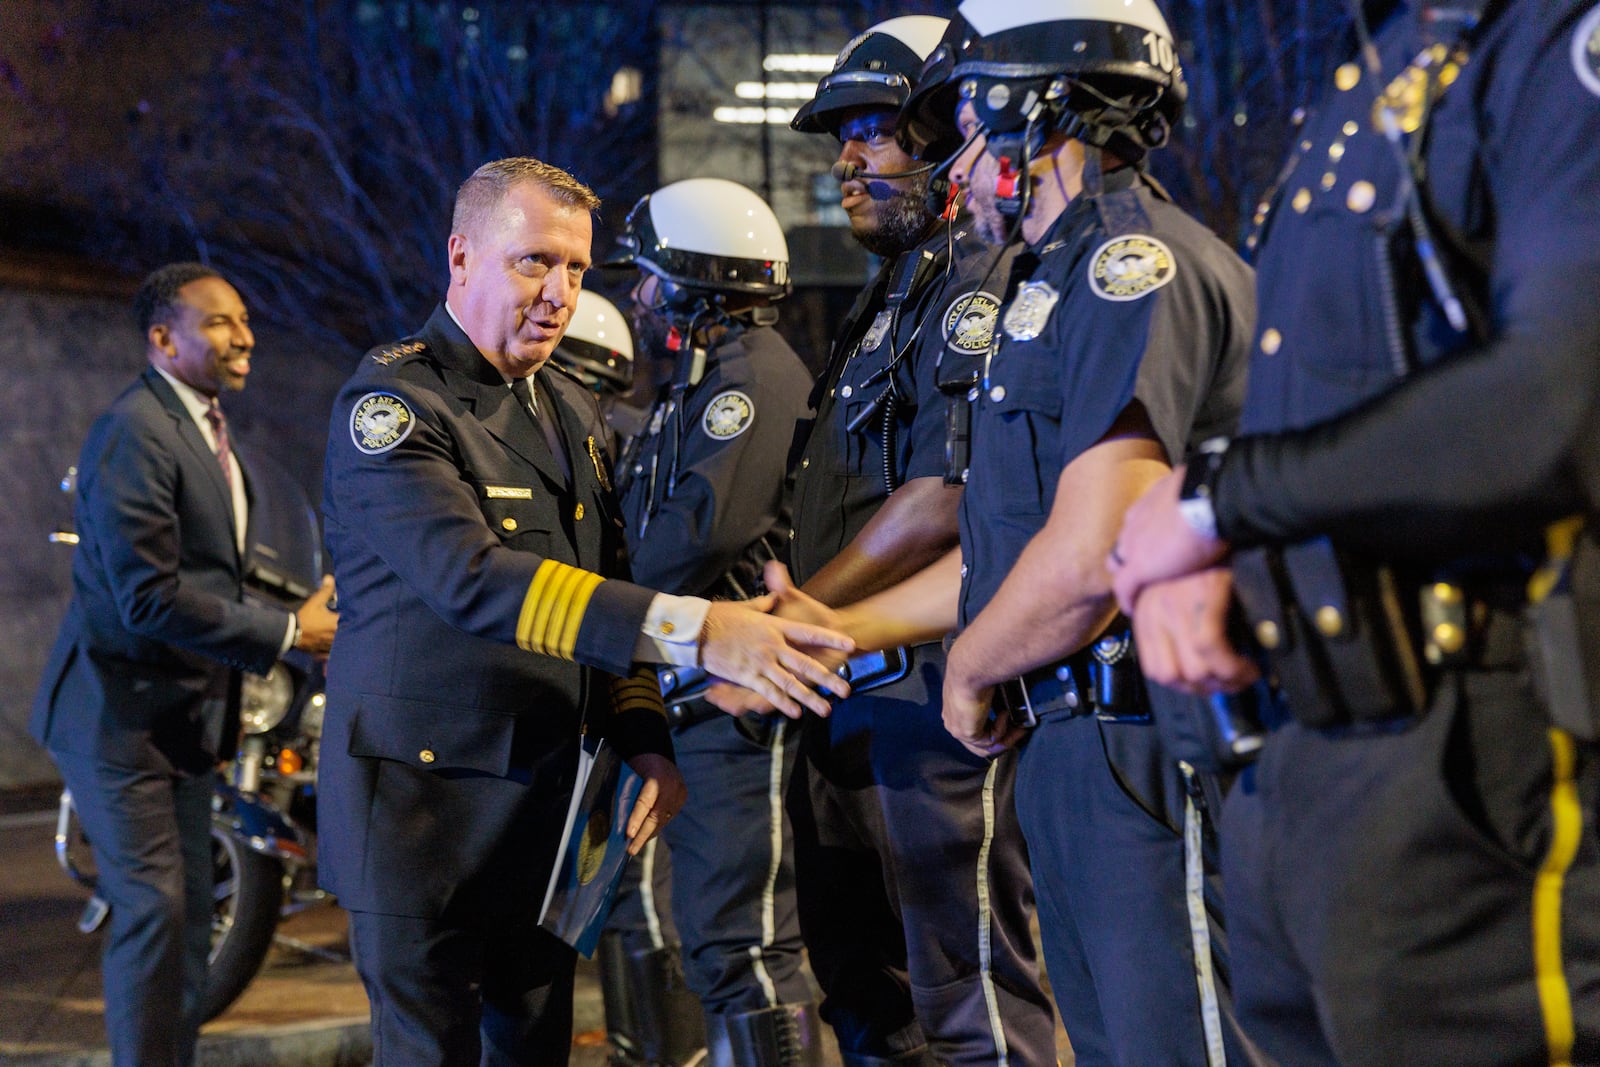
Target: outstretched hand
pixel 772 656
pixel 783 600
pixel 660 798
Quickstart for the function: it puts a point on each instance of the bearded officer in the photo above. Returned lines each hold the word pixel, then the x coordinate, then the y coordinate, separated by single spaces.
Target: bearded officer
pixel 1121 339
pixel 928 956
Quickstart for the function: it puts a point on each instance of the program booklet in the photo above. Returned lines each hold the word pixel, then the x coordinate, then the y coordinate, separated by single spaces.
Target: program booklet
pixel 594 848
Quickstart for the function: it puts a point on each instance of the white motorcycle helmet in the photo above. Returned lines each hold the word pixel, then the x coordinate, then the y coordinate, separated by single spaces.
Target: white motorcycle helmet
pixel 877 68
pixel 707 239
pixel 1100 69
pixel 598 346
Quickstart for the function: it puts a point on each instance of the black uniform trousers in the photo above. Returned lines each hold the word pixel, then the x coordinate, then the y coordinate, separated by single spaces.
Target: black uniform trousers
pixel 733 865
pixel 1429 895
pixel 150 832
pixel 1127 910
pixel 480 982
pixel 907 852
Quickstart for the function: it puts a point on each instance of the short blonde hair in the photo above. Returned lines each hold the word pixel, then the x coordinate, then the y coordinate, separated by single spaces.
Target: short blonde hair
pixel 480 194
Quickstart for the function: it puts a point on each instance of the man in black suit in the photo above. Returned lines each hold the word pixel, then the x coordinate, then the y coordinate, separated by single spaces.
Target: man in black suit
pixel 136 698
pixel 486 614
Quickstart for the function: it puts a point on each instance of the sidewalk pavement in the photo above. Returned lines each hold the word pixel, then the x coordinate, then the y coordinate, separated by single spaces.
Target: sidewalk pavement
pixel 305 1008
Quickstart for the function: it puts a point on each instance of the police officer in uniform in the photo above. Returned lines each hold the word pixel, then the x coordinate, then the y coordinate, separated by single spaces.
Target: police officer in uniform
pixel 483 598
pixel 704 506
pixel 927 954
pixel 1413 870
pixel 1121 339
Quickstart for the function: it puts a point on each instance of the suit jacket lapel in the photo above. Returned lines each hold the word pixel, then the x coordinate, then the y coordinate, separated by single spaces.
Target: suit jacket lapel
pixel 190 434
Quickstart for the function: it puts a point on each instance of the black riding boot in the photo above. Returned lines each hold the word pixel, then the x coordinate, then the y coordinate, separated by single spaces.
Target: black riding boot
pixel 652 1019
pixel 784 1036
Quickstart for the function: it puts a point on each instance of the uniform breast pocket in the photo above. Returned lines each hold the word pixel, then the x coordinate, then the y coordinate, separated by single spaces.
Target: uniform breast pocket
pixel 1015 436
pixel 525 524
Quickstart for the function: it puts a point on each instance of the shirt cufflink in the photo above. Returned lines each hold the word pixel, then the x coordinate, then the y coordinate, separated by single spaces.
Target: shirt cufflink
pixel 671 630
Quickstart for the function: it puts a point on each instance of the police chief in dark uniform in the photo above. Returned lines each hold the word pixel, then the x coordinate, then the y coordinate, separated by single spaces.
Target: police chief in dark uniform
pixel 483 596
pixel 927 956
pixel 1122 338
pixel 705 506
pixel 1413 870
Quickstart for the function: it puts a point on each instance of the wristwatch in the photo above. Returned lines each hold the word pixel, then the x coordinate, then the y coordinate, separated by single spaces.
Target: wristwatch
pixel 1199 480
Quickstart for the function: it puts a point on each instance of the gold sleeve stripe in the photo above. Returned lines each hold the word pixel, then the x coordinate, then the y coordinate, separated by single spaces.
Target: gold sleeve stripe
pixel 638 692
pixel 553 610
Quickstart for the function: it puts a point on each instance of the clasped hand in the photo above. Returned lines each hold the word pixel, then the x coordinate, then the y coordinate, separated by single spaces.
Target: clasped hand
pixel 776 650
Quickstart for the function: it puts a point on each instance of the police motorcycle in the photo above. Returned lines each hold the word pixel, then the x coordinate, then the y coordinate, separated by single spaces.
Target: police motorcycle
pixel 263 807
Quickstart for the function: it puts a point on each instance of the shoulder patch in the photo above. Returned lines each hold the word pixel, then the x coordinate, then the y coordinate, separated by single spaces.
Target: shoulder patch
pixel 400 349
pixel 969 322
pixel 378 422
pixel 1586 51
pixel 728 415
pixel 1128 267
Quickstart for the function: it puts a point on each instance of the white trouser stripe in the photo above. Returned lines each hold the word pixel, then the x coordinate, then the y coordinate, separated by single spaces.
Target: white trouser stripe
pixel 647 894
pixel 985 945
pixel 1199 928
pixel 769 920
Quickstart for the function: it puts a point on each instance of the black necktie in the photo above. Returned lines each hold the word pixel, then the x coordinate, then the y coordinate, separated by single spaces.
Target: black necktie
pixel 522 389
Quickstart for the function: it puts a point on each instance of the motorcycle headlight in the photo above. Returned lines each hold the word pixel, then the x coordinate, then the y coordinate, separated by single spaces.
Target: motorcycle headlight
pixel 264 699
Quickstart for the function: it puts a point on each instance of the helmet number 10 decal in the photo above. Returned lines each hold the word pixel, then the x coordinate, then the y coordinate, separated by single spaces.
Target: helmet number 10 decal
pixel 1160 50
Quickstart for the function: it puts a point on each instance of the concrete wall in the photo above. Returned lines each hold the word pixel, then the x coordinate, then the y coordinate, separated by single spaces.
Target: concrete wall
pixel 63 358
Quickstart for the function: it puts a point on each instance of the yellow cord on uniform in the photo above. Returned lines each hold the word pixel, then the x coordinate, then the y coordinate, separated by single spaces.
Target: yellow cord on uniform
pixel 1566 819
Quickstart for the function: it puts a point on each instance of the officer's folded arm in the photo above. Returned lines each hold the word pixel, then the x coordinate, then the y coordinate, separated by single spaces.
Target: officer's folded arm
pixel 1492 439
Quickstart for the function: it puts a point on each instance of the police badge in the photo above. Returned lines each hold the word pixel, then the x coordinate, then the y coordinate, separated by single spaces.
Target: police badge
pixel 1128 267
pixel 1029 311
pixel 877 331
pixel 969 323
pixel 728 415
pixel 379 422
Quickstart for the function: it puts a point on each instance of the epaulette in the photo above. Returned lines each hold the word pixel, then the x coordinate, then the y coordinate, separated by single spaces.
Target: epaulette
pixel 553 365
pixel 399 350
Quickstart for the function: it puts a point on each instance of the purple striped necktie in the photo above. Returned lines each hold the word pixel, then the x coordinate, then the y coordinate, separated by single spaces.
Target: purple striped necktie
pixel 219 427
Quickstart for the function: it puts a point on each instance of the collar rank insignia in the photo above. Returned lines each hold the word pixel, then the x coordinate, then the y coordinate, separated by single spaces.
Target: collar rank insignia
pixel 877 331
pixel 386 356
pixel 379 422
pixel 1586 51
pixel 1030 310
pixel 969 323
pixel 728 415
pixel 1128 267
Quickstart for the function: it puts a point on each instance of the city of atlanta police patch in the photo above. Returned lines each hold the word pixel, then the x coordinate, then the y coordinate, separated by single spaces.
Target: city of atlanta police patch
pixel 728 415
pixel 1128 267
pixel 379 422
pixel 1586 51
pixel 969 324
